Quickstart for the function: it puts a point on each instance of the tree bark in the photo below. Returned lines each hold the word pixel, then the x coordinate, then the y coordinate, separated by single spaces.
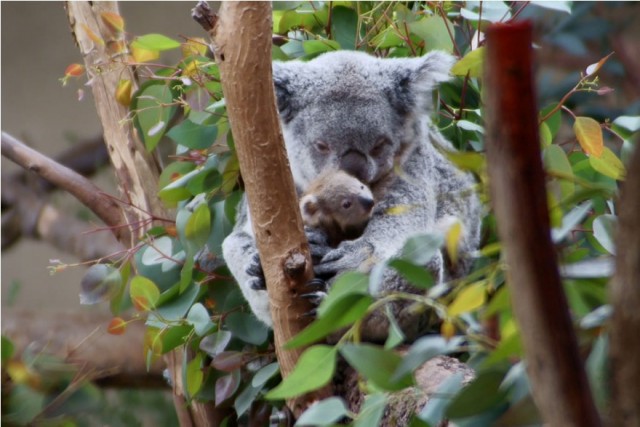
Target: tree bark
pixel 81 338
pixel 517 183
pixel 242 47
pixel 135 168
pixel 625 300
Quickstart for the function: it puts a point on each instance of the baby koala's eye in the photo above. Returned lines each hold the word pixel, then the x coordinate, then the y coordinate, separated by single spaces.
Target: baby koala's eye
pixel 378 149
pixel 322 147
pixel 346 204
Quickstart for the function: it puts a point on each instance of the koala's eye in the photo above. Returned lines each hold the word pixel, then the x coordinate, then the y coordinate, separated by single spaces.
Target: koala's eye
pixel 346 204
pixel 322 147
pixel 378 149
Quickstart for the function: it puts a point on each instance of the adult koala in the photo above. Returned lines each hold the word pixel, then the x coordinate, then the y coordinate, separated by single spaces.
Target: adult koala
pixel 369 117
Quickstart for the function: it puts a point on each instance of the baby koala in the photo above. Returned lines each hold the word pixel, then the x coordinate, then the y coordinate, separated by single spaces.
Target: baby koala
pixel 338 204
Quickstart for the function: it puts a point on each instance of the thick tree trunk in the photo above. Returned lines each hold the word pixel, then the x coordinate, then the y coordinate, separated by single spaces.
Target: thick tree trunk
pixel 242 47
pixel 625 299
pixel 135 168
pixel 517 182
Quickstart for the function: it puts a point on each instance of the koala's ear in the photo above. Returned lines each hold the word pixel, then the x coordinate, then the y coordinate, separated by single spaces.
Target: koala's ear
pixel 284 84
pixel 432 69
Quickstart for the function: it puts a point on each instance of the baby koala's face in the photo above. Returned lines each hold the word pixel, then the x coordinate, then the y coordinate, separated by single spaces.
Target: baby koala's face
pixel 337 203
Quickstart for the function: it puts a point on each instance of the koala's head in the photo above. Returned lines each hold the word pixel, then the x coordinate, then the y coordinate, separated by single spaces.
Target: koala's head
pixel 338 203
pixel 352 111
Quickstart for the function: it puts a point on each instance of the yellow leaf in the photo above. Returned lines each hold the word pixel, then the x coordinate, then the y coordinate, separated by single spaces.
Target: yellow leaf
pixel 471 64
pixel 452 241
pixel 113 21
pixel 469 299
pixel 191 70
pixel 447 330
pixel 93 36
pixel 608 164
pixel 400 209
pixel 589 134
pixel 141 54
pixel 123 92
pixel 194 46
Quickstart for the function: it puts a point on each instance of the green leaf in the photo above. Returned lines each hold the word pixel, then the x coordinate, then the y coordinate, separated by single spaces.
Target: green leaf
pixel 545 135
pixel 155 42
pixel 395 336
pixel 144 293
pixel 314 47
pixel 603 231
pixel 194 375
pixel 433 30
pixel 245 399
pixel 192 135
pixel 247 328
pixel 100 283
pixel 324 413
pixel 555 160
pixel 387 38
pixel 479 396
pixel 198 226
pixel 265 374
pixel 314 369
pixel 470 64
pixel 421 248
pixel 175 337
pixel 608 164
pixel 199 317
pixel 343 313
pixel 416 275
pixel 570 220
pixel 215 343
pixel 7 348
pixel 554 121
pixel 349 283
pixel 377 365
pixel 372 410
pixel 469 299
pixel 153 107
pixel 597 367
pixel 344 26
pixel 589 134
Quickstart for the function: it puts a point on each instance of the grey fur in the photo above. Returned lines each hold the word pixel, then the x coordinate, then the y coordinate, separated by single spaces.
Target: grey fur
pixel 369 117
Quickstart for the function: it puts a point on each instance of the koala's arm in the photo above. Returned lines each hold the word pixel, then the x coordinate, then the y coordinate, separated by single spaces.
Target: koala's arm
pixel 241 255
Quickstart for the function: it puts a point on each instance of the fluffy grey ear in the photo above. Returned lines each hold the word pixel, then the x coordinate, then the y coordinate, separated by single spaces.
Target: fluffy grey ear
pixel 284 77
pixel 414 80
pixel 309 206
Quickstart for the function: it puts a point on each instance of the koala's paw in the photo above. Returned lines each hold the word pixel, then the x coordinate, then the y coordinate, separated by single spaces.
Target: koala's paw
pixel 254 270
pixel 317 291
pixel 318 243
pixel 349 255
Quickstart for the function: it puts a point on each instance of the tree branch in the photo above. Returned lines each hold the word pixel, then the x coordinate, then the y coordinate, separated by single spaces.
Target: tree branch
pixel 80 187
pixel 517 183
pixel 80 338
pixel 244 60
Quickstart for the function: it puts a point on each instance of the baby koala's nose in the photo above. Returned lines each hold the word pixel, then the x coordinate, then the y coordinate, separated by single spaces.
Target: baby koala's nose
pixel 366 203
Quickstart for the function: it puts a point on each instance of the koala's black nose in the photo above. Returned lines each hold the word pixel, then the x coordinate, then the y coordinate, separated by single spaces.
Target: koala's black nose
pixel 355 163
pixel 366 203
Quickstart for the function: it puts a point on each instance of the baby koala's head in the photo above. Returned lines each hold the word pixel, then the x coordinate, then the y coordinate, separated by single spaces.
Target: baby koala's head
pixel 337 203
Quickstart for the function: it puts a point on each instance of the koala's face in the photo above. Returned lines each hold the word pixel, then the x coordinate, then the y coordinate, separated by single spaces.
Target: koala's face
pixel 354 112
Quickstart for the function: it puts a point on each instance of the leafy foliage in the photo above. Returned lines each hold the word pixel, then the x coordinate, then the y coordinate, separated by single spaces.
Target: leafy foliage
pixel 191 301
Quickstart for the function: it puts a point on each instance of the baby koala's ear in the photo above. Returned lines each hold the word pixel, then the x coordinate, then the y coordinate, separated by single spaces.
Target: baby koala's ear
pixel 309 206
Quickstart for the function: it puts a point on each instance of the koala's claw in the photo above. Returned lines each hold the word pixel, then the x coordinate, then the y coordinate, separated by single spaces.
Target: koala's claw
pixel 258 284
pixel 317 283
pixel 311 313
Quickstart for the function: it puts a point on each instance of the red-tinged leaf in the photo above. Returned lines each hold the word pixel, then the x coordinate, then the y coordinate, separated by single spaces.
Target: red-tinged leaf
pixel 604 90
pixel 594 68
pixel 228 361
pixel 589 134
pixel 113 21
pixel 225 387
pixel 117 326
pixel 141 303
pixel 93 36
pixel 74 70
pixel 123 92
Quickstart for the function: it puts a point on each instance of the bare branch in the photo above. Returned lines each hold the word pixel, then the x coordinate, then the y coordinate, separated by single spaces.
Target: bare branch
pixel 80 187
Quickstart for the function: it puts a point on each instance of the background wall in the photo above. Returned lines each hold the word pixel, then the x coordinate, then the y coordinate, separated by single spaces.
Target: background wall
pixel 36 48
